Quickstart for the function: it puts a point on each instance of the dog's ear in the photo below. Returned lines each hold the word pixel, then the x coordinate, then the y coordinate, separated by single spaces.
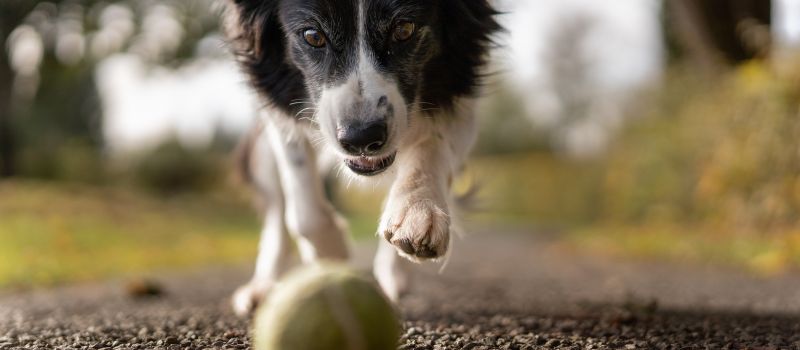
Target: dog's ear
pixel 466 36
pixel 260 45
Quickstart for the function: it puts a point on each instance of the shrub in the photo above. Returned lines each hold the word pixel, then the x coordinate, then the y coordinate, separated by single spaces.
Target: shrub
pixel 172 169
pixel 727 154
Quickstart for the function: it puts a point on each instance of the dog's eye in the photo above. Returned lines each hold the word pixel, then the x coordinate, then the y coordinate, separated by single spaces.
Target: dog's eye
pixel 404 31
pixel 314 38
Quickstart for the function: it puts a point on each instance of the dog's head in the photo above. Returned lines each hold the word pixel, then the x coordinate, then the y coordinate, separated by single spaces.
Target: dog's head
pixel 363 70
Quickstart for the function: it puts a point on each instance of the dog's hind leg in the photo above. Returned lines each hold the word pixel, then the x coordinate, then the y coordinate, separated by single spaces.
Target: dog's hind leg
pixel 274 253
pixel 316 227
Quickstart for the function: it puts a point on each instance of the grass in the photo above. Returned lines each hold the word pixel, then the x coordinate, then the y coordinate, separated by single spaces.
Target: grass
pixel 765 255
pixel 53 233
pixel 57 233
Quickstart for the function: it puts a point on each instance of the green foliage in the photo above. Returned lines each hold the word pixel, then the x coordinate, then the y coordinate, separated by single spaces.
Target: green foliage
pixel 535 187
pixel 709 173
pixel 172 169
pixel 726 156
pixel 72 161
pixel 506 128
pixel 55 233
pixel 58 136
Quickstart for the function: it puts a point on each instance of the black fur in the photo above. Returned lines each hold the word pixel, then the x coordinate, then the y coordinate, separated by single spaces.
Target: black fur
pixel 435 70
pixel 466 29
pixel 260 45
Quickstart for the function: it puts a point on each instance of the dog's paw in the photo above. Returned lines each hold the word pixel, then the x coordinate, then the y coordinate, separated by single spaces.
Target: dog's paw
pixel 419 229
pixel 247 298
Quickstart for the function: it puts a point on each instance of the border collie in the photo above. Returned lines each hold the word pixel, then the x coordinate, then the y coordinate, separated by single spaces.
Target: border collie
pixel 381 89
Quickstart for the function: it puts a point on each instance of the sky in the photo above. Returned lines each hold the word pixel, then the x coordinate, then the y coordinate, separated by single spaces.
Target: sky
pixel 144 106
pixel 787 21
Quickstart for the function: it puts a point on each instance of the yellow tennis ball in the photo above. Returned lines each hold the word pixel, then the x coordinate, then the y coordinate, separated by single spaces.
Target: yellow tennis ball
pixel 326 307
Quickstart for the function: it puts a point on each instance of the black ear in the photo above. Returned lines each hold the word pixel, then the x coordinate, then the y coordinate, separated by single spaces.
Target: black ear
pixel 260 45
pixel 466 33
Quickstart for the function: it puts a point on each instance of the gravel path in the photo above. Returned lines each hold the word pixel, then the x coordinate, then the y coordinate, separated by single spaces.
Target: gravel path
pixel 510 291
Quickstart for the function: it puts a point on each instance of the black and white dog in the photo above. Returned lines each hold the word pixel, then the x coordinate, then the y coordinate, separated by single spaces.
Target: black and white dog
pixel 381 88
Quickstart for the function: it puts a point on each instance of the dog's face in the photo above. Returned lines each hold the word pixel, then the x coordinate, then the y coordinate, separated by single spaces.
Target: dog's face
pixel 364 69
pixel 362 63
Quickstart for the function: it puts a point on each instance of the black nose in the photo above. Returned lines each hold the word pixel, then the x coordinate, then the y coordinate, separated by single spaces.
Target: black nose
pixel 360 138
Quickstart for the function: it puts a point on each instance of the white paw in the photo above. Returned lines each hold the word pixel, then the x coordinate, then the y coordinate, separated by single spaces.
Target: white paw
pixel 419 229
pixel 247 298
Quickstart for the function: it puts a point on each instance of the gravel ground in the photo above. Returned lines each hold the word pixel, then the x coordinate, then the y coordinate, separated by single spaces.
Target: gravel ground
pixel 514 291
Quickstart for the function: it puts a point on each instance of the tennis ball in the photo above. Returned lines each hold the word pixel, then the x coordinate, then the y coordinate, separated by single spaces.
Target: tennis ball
pixel 326 307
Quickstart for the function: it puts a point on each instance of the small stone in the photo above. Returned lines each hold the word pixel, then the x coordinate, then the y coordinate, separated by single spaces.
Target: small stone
pixel 552 343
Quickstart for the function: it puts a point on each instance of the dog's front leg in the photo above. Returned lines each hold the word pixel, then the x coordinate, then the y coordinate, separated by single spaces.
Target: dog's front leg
pixel 274 253
pixel 284 171
pixel 417 217
pixel 318 231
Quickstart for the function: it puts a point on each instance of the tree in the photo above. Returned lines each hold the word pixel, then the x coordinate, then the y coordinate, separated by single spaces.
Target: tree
pixel 12 14
pixel 64 105
pixel 717 33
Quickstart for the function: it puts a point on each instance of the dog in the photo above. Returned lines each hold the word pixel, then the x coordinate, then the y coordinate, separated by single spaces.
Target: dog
pixel 383 91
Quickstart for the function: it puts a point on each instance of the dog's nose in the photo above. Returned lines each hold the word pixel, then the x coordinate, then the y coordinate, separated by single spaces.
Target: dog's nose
pixel 363 138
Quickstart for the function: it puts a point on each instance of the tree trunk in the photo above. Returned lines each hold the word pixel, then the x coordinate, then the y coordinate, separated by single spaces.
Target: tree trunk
pixel 718 32
pixel 12 13
pixel 7 142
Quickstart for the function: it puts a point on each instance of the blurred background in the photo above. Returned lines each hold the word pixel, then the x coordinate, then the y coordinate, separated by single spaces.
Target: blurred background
pixel 635 128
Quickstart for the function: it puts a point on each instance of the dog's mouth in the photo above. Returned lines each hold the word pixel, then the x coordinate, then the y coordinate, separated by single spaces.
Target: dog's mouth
pixel 370 166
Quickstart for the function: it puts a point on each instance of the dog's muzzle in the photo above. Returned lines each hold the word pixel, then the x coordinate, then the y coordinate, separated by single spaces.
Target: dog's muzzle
pixel 370 166
pixel 364 143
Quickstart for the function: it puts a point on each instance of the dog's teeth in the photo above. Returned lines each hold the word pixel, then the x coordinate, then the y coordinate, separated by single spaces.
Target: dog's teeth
pixel 371 165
